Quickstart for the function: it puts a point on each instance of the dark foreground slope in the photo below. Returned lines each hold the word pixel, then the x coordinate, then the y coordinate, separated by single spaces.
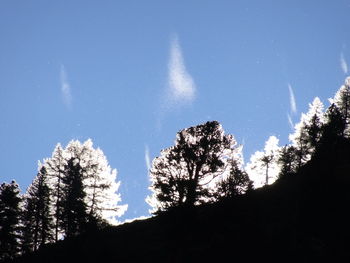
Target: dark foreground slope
pixel 302 218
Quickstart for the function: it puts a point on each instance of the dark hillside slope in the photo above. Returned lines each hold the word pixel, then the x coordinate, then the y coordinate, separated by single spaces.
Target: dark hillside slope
pixel 301 218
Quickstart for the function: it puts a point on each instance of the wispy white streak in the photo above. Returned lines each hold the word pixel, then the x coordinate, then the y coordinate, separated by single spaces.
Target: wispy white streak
pixel 147 158
pixel 65 88
pixel 290 121
pixel 181 84
pixel 293 105
pixel 343 64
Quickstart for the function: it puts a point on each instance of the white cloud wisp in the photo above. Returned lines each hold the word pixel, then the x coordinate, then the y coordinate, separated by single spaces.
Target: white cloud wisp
pixel 290 121
pixel 293 104
pixel 65 88
pixel 147 159
pixel 343 63
pixel 181 85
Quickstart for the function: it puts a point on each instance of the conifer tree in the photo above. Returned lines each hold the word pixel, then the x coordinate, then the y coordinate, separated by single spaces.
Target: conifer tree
pixel 342 101
pixel 334 125
pixel 287 161
pixel 184 173
pixel 308 132
pixel 99 182
pixel 10 212
pixel 80 170
pixel 38 213
pixel 55 169
pixel 74 215
pixel 236 183
pixel 263 167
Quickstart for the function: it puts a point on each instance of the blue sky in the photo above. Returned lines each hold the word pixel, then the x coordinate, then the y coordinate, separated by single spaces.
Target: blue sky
pixel 102 70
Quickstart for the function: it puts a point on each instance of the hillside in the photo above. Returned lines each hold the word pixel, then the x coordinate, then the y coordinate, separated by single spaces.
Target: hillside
pixel 301 218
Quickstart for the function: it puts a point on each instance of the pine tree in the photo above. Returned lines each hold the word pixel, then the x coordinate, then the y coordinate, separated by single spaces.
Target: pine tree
pixel 55 170
pixel 236 183
pixel 99 183
pixel 81 167
pixel 314 123
pixel 38 213
pixel 27 219
pixel 287 161
pixel 308 132
pixel 10 212
pixel 263 167
pixel 334 126
pixel 342 101
pixel 74 215
pixel 184 173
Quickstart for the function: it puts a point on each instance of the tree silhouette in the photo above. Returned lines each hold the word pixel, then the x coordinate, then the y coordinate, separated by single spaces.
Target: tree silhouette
pixel 342 101
pixel 80 177
pixel 10 213
pixel 236 183
pixel 307 132
pixel 74 215
pixel 287 161
pixel 37 213
pixel 99 182
pixel 334 126
pixel 183 174
pixel 55 169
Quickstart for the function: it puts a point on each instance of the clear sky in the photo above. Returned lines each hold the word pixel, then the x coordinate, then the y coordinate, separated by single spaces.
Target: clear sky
pixel 130 74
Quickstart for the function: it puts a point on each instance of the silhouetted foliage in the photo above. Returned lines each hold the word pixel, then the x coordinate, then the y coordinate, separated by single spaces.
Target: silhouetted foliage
pixel 287 161
pixel 74 215
pixel 83 189
pixel 342 102
pixel 55 168
pixel 334 126
pixel 307 133
pixel 37 214
pixel 300 218
pixel 10 213
pixel 181 175
pixel 236 183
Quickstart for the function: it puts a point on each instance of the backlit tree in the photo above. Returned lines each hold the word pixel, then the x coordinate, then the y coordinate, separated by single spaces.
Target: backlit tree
pixel 183 174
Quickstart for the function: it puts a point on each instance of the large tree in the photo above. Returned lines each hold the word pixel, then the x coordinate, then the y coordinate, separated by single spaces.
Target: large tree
pixel 99 182
pixel 55 169
pixel 74 215
pixel 183 174
pixel 81 177
pixel 10 212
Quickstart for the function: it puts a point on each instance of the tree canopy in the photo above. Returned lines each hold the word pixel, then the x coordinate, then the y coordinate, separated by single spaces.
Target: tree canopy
pixel 184 174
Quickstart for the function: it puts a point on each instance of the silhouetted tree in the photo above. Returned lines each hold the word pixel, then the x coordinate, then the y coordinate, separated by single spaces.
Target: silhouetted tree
pixel 55 170
pixel 10 212
pixel 74 215
pixel 307 132
pixel 334 125
pixel 287 160
pixel 236 183
pixel 314 122
pixel 183 174
pixel 342 101
pixel 37 213
pixel 99 183
pixel 80 161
